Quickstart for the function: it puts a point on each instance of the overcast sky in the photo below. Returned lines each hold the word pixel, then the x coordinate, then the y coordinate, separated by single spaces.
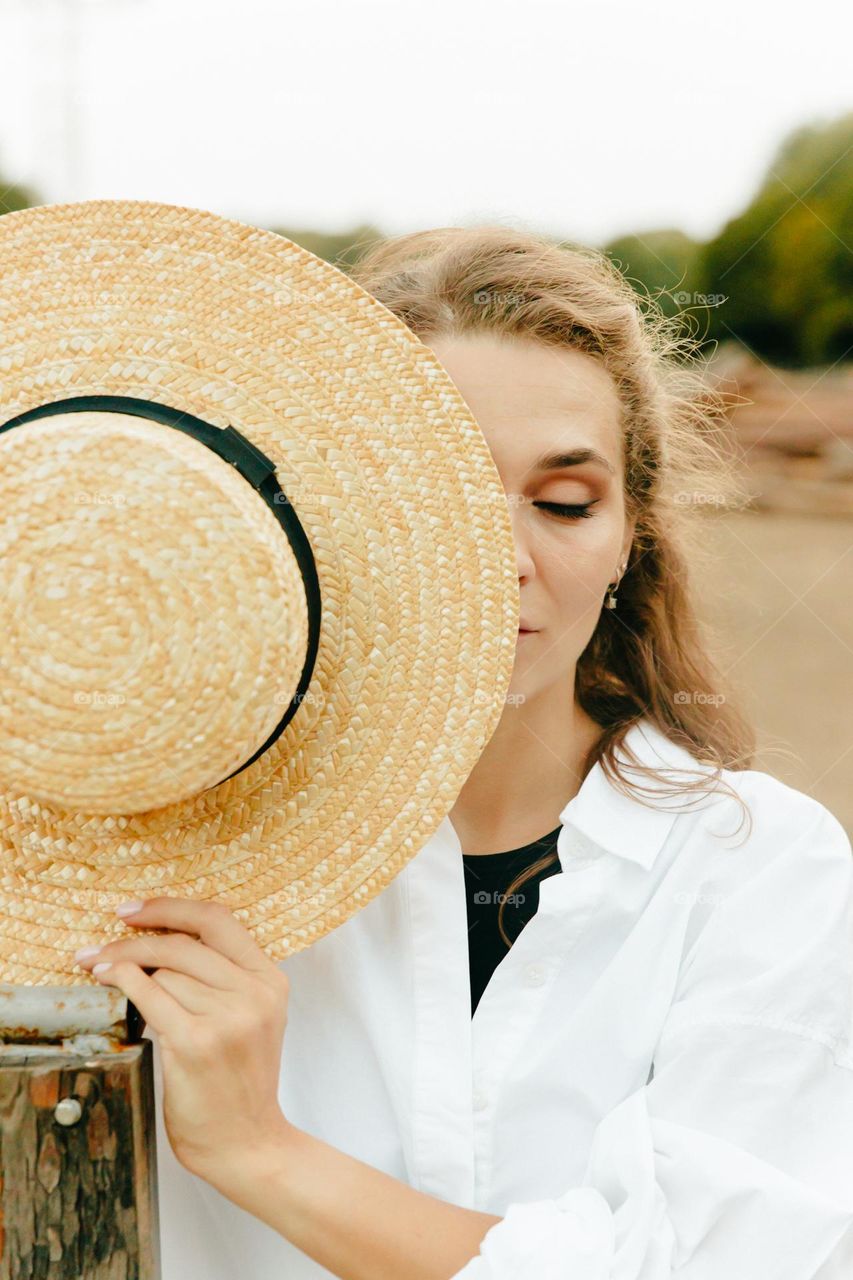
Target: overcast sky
pixel 582 120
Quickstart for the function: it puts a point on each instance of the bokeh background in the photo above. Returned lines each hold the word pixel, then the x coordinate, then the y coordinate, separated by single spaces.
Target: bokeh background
pixel 707 149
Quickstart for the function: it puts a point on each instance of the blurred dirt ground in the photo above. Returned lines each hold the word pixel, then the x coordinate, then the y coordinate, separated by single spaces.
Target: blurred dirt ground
pixel 778 592
pixel 779 595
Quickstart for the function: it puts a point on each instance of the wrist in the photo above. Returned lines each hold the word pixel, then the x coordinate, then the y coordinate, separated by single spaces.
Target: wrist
pixel 238 1173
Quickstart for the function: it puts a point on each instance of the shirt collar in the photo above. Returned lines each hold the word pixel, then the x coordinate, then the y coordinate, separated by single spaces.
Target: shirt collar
pixel 623 825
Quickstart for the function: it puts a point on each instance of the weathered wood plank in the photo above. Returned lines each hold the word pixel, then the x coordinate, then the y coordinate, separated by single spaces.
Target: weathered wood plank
pixel 78 1201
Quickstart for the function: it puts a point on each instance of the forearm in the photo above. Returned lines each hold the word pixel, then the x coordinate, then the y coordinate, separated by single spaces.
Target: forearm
pixel 355 1221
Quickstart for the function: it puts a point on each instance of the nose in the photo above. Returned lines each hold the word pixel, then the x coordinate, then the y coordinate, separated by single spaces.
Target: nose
pixel 523 554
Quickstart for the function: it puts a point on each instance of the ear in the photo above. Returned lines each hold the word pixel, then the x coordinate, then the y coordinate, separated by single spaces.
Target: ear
pixel 628 540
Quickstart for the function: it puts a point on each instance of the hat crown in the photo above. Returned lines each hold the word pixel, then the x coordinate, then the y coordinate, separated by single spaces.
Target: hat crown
pixel 158 622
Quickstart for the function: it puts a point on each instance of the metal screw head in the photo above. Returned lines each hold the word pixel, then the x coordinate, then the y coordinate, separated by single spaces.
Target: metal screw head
pixel 68 1111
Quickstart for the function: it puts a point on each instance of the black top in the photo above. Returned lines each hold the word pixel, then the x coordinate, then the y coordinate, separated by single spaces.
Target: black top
pixel 487 879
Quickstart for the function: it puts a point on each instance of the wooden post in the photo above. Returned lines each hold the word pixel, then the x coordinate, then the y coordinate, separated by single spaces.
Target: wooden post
pixel 78 1168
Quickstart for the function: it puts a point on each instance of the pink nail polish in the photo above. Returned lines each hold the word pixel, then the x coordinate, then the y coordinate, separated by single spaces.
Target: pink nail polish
pixel 85 952
pixel 130 908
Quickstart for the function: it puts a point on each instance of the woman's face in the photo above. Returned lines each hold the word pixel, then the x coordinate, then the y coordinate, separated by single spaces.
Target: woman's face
pixel 532 402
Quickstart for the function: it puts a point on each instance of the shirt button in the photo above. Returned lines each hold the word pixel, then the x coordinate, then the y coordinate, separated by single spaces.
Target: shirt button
pixel 479 1100
pixel 534 975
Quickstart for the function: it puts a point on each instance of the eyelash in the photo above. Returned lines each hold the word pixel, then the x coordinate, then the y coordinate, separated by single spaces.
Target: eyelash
pixel 568 511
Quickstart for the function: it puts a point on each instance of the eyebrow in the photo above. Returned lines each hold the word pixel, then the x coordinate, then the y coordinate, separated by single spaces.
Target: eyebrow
pixel 574 458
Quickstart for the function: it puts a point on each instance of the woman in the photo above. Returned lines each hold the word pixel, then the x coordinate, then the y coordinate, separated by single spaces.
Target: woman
pixel 658 1075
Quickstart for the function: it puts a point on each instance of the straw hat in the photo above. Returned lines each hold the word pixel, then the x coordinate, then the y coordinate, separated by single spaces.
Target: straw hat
pixel 259 582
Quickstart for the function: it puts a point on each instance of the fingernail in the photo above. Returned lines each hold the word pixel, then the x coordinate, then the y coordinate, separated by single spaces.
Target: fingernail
pixel 99 968
pixel 130 908
pixel 85 952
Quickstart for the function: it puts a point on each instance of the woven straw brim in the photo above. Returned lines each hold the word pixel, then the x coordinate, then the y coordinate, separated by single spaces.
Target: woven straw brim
pixel 398 494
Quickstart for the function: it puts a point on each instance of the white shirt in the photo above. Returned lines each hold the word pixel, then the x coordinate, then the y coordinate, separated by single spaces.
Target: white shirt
pixel 657 1081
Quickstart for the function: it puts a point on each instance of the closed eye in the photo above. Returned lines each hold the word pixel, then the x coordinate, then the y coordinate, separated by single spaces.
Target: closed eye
pixel 568 510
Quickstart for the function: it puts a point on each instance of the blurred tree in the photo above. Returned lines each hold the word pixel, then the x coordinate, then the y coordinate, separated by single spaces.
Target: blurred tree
pixel 785 263
pixel 14 196
pixel 342 249
pixel 659 264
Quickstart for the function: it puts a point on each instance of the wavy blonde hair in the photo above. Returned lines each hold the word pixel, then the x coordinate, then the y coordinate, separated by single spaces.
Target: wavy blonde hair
pixel 648 657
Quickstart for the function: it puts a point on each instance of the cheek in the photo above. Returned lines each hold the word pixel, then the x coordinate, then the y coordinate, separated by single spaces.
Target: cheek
pixel 579 565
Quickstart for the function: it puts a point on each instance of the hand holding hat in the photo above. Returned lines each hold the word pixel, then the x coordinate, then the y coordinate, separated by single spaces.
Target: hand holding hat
pixel 219 1007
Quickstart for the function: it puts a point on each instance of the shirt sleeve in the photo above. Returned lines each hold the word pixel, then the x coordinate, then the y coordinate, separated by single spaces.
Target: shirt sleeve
pixel 735 1160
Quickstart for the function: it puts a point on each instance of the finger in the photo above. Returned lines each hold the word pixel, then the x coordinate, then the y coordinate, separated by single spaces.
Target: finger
pixel 176 951
pixel 212 922
pixel 159 1009
pixel 191 995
